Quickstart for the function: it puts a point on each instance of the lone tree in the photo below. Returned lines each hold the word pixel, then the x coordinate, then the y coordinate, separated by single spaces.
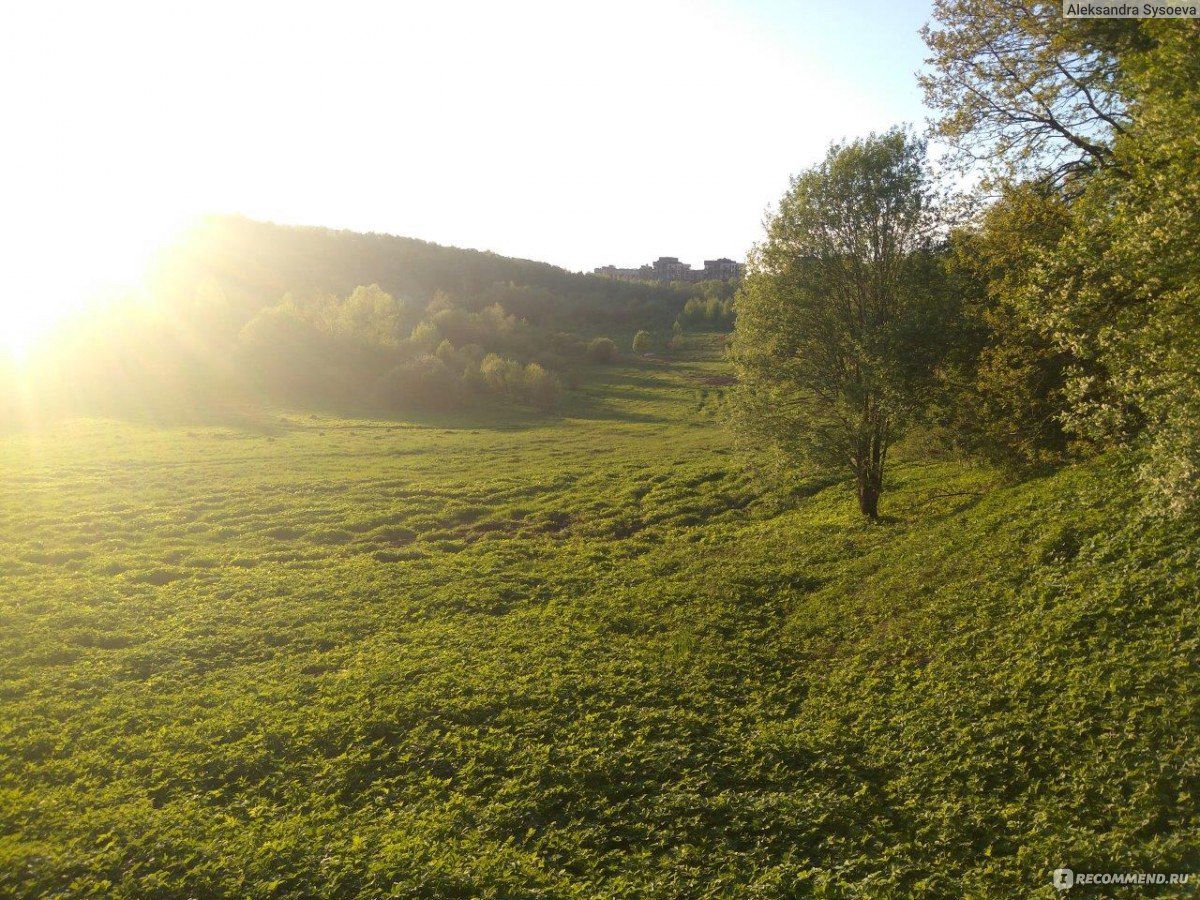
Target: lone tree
pixel 642 342
pixel 838 317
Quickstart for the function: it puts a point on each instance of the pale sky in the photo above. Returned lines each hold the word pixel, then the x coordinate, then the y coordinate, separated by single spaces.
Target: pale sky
pixel 576 133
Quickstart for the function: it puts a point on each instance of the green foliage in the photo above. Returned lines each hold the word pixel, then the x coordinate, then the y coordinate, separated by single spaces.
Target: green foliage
pixel 423 382
pixel 370 349
pixel 499 373
pixel 585 656
pixel 530 383
pixel 211 328
pixel 834 318
pixel 541 388
pixel 426 336
pixel 1093 290
pixel 1025 92
pixel 372 315
pixel 642 342
pixel 1005 380
pixel 706 313
pixel 254 263
pixel 1091 320
pixel 602 350
pixel 1123 289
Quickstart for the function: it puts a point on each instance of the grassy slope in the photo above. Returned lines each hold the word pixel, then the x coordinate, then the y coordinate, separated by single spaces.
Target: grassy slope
pixel 582 656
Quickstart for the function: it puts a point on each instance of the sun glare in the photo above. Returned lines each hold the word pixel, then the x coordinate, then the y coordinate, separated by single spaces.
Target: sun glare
pixel 60 271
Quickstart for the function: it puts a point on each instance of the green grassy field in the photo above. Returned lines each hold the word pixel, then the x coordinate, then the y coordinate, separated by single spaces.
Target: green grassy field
pixel 502 654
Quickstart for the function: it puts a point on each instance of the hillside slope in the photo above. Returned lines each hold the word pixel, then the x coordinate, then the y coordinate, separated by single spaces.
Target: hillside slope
pixel 256 263
pixel 586 656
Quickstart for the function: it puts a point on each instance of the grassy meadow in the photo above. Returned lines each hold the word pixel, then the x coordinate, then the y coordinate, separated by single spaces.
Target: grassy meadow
pixel 501 654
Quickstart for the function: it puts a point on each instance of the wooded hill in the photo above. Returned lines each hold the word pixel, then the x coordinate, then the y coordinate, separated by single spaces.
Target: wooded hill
pixel 259 262
pixel 245 312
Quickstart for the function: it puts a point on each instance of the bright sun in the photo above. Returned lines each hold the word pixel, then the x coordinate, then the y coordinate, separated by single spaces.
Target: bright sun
pixel 59 268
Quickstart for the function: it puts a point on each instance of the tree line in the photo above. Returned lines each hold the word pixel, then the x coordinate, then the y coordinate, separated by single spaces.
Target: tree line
pixel 365 351
pixel 239 311
pixel 1052 313
pixel 397 354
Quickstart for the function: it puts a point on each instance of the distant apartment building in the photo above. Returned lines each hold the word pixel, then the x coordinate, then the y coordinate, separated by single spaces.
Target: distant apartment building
pixel 722 270
pixel 669 268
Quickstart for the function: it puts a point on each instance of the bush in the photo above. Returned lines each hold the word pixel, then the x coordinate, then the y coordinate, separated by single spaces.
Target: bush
pixel 602 350
pixel 642 342
pixel 422 383
pixel 426 336
pixel 566 344
pixel 542 388
pixel 706 313
pixel 501 375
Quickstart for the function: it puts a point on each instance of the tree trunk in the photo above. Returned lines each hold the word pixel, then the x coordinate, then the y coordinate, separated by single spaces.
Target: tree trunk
pixel 869 472
pixel 868 496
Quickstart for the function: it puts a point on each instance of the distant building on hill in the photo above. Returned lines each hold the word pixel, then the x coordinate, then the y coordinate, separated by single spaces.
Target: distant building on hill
pixel 722 270
pixel 669 268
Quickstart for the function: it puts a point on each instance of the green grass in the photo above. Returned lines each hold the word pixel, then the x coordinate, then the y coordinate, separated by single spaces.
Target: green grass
pixel 506 655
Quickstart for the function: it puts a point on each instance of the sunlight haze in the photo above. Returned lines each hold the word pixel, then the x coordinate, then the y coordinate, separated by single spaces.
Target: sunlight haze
pixel 581 135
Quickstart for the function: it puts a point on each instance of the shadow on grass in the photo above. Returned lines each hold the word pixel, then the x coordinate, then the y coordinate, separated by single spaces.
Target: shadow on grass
pixel 605 391
pixel 237 417
pixel 815 484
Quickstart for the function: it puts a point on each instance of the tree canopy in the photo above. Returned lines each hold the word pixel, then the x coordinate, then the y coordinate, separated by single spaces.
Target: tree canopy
pixel 834 312
pixel 1025 92
pixel 1087 268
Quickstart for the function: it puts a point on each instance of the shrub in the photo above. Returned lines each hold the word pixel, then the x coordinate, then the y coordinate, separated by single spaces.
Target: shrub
pixel 426 336
pixel 602 350
pixel 422 383
pixel 501 375
pixel 567 344
pixel 542 387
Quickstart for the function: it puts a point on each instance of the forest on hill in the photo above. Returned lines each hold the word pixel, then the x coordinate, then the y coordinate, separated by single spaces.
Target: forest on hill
pixel 257 263
pixel 242 312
